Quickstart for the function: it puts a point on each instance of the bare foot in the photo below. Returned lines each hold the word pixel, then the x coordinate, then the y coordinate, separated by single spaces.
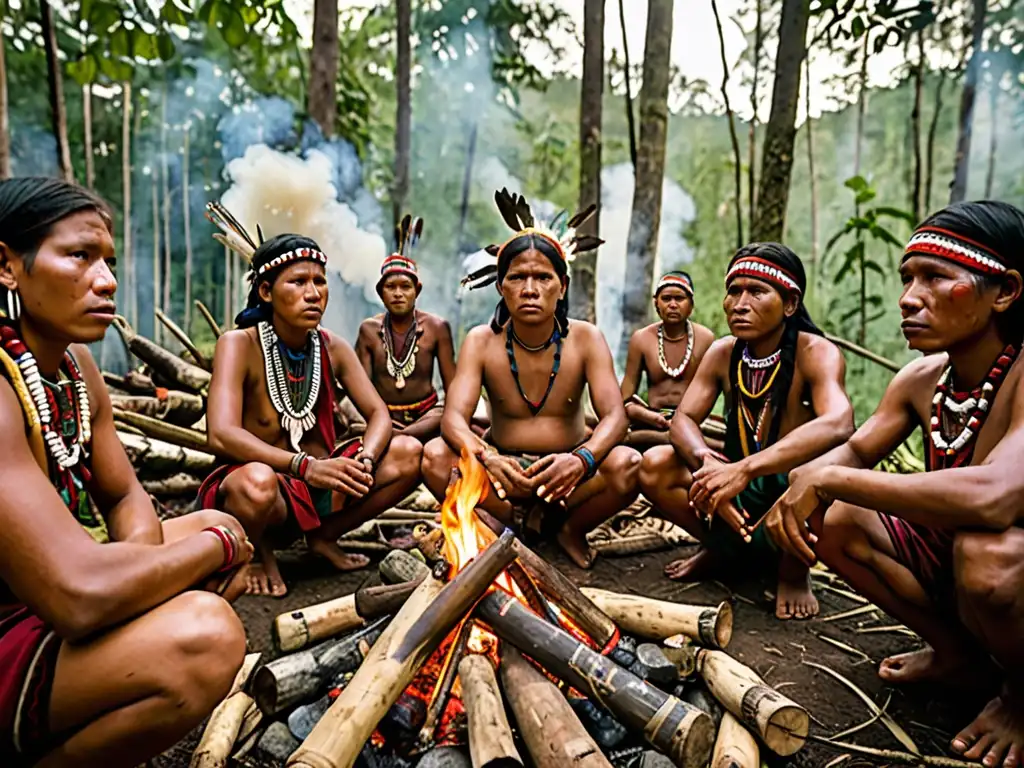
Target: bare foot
pixel 996 737
pixel 576 547
pixel 265 579
pixel 795 600
pixel 925 665
pixel 331 552
pixel 697 566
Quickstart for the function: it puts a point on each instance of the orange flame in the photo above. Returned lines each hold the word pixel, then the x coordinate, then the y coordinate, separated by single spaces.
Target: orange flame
pixel 464 535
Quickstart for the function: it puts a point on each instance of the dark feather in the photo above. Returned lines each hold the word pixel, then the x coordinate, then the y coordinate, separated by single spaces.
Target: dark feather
pixel 218 209
pixel 586 243
pixel 403 234
pixel 582 216
pixel 417 232
pixel 507 208
pixel 493 249
pixel 482 272
pixel 525 214
pixel 259 234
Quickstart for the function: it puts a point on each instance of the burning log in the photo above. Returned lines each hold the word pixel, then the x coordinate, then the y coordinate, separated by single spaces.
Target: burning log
pixel 443 689
pixel 161 430
pixel 682 732
pixel 181 408
pixel 552 732
pixel 295 630
pixel 444 757
pixel 277 743
pixel 401 567
pixel 159 458
pixel 552 582
pixel 658 619
pixel 781 723
pixel 735 747
pixel 427 617
pixel 181 484
pixel 300 676
pixel 654 666
pixel 167 365
pixel 490 736
pixel 183 337
pixel 222 730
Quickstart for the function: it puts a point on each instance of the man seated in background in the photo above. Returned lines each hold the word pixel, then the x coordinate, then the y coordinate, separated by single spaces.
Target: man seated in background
pixel 669 353
pixel 271 408
pixel 398 348
pixel 534 363
pixel 785 404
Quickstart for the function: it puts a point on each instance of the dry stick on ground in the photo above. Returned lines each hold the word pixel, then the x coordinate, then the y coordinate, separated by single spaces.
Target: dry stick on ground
pixel 223 727
pixel 158 457
pixel 425 619
pixel 553 734
pixel 659 619
pixel 172 368
pixel 161 430
pixel 173 406
pixel 895 756
pixel 490 737
pixel 297 629
pixel 184 338
pixel 208 317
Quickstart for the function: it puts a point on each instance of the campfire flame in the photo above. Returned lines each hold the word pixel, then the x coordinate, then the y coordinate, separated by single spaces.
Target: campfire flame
pixel 464 536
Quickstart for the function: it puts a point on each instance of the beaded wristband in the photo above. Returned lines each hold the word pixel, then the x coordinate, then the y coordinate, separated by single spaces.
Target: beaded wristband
pixel 300 461
pixel 228 542
pixel 589 462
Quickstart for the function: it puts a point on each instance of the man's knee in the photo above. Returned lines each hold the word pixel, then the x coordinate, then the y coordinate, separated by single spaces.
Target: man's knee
pixel 251 490
pixel 407 452
pixel 989 569
pixel 842 535
pixel 437 459
pixel 622 470
pixel 655 467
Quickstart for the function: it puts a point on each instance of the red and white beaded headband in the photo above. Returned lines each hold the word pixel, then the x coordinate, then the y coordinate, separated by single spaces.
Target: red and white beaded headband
pixel 299 253
pixel 674 281
pixel 396 264
pixel 763 270
pixel 933 241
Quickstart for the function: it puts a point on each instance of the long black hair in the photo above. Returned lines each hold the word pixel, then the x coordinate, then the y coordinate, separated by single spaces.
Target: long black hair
pixel 999 227
pixel 542 245
pixel 255 308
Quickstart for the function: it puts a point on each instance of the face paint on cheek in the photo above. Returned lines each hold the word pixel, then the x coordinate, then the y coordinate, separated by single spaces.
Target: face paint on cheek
pixel 960 291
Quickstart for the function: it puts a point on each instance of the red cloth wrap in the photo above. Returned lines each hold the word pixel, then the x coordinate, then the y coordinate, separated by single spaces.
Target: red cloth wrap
pixel 926 552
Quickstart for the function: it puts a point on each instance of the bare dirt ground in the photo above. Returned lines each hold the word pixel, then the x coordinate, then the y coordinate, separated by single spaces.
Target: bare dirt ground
pixel 776 650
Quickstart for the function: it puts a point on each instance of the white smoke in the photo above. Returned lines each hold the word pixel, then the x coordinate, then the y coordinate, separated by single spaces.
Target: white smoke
pixel 677 210
pixel 285 193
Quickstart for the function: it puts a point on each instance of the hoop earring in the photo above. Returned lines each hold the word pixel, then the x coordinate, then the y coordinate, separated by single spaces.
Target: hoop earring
pixel 13 305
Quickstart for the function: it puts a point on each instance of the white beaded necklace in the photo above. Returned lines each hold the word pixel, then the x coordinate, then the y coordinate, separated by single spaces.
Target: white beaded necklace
pixel 65 456
pixel 758 363
pixel 295 422
pixel 676 372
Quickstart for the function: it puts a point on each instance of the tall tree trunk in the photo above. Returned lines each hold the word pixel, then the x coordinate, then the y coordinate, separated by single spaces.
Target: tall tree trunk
pixel 229 288
pixel 809 125
pixel 630 119
pixel 403 118
pixel 165 210
pixel 780 133
pixel 57 107
pixel 583 288
pixel 958 191
pixel 322 102
pixel 645 222
pixel 186 205
pixel 737 162
pixel 915 123
pixel 993 139
pixel 933 129
pixel 90 172
pixel 752 133
pixel 862 106
pixel 154 183
pixel 126 203
pixel 5 123
pixel 467 184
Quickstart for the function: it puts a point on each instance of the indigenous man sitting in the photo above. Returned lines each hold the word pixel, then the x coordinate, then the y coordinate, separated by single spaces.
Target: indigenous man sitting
pixel 785 404
pixel 271 408
pixel 93 588
pixel 942 551
pixel 534 363
pixel 398 348
pixel 669 352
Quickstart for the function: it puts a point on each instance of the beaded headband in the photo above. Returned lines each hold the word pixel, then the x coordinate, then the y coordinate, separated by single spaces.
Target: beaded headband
pixel 299 253
pixel 537 233
pixel 944 244
pixel 675 281
pixel 763 270
pixel 396 264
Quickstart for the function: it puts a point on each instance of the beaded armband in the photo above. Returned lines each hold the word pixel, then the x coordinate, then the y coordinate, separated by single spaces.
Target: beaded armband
pixel 299 465
pixel 589 462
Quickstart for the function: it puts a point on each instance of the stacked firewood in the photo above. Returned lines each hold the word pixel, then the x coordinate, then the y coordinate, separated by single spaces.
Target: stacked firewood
pixel 563 676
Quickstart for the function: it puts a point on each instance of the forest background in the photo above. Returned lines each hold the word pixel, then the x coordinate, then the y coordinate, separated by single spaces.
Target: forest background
pixel 336 120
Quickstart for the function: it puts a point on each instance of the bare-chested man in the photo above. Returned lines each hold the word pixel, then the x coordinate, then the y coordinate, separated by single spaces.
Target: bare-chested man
pixel 942 551
pixel 669 353
pixel 398 348
pixel 783 385
pixel 108 652
pixel 271 408
pixel 534 363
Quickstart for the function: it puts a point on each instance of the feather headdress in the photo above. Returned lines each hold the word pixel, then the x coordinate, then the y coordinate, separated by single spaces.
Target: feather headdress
pixel 232 234
pixel 561 232
pixel 407 235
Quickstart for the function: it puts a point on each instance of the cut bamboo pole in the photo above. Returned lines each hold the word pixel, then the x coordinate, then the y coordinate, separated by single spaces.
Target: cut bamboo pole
pixel 300 676
pixel 157 457
pixel 552 582
pixel 734 747
pixel 182 373
pixel 683 733
pixel 658 619
pixel 223 727
pixel 490 737
pixel 781 723
pixel 427 617
pixel 296 629
pixel 182 409
pixel 209 318
pixel 553 734
pixel 186 341
pixel 161 430
pixel 181 484
pixel 398 567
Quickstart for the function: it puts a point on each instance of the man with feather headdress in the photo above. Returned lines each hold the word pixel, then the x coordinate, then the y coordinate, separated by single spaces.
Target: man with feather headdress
pixel 398 348
pixel 271 409
pixel 534 363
